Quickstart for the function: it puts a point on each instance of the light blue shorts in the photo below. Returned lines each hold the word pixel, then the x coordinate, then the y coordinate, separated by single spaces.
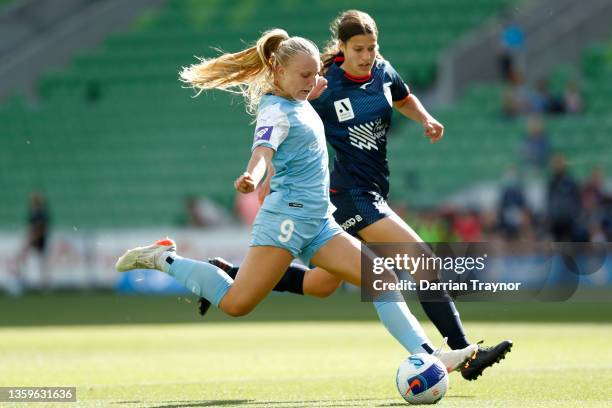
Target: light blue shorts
pixel 303 237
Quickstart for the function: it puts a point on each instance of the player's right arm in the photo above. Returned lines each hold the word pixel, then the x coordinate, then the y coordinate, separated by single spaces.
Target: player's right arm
pixel 259 164
pixel 271 130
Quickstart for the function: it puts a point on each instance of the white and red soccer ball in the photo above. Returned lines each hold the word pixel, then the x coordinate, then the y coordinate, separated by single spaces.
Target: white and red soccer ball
pixel 422 379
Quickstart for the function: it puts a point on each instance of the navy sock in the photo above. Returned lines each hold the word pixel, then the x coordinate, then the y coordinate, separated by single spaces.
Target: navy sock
pixel 442 312
pixel 292 281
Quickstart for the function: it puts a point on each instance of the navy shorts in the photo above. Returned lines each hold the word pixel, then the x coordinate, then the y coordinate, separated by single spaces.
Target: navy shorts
pixel 358 208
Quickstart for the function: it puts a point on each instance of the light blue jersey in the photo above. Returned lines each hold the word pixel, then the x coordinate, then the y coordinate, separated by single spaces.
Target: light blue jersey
pixel 300 186
pixel 296 215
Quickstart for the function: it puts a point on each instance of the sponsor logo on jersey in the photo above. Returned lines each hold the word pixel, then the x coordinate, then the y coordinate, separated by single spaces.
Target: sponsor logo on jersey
pixel 263 133
pixel 366 135
pixel 344 109
pixel 351 221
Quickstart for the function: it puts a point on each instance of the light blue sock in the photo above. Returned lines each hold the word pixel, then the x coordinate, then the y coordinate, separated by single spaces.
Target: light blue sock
pixel 396 317
pixel 201 278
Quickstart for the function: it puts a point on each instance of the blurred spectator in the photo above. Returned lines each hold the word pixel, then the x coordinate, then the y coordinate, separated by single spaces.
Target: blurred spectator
pixel 515 100
pixel 512 43
pixel 593 193
pixel 572 98
pixel 430 227
pixel 247 206
pixel 540 98
pixel 564 207
pixel 595 204
pixel 519 98
pixel 467 226
pixel 447 223
pixel 37 236
pixel 514 216
pixel 488 220
pixel 606 223
pixel 203 213
pixel 535 149
pixel 542 101
pixel 195 218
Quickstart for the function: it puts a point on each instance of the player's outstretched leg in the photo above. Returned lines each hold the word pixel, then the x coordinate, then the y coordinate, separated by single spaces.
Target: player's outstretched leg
pixel 291 281
pixel 194 275
pixel 260 272
pixel 485 357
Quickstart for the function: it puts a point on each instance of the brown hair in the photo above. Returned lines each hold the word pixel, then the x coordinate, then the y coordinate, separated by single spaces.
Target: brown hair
pixel 249 72
pixel 348 24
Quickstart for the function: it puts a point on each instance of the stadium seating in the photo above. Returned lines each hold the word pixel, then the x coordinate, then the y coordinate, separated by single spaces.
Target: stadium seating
pixel 115 141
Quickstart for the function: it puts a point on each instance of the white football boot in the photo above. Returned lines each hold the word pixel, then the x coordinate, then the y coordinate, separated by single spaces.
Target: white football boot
pixel 454 360
pixel 147 257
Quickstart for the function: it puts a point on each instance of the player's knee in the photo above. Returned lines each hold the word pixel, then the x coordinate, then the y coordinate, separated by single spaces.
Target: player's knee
pixel 325 290
pixel 238 309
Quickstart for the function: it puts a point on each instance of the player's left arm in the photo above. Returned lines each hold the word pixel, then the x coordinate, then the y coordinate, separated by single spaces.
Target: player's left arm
pixel 410 106
pixel 413 109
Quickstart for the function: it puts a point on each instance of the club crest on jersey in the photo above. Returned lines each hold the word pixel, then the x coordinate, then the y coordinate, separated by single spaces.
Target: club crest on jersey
pixel 364 86
pixel 263 133
pixel 344 109
pixel 365 136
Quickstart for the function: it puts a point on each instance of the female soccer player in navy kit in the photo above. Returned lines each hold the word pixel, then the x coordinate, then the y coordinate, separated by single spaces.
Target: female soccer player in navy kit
pixel 363 90
pixel 276 77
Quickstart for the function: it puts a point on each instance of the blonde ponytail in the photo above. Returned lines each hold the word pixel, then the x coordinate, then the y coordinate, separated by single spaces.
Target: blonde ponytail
pixel 249 72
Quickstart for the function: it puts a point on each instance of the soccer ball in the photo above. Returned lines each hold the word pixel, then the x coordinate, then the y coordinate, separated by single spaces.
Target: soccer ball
pixel 422 379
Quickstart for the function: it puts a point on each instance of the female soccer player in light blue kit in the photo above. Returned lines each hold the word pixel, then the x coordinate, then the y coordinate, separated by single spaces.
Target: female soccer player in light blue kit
pixel 356 108
pixel 276 77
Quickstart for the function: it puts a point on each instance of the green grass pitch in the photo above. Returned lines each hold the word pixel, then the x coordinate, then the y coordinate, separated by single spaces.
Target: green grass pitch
pixel 288 360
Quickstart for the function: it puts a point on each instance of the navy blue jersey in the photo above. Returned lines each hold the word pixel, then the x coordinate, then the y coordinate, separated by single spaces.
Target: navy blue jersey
pixel 357 116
